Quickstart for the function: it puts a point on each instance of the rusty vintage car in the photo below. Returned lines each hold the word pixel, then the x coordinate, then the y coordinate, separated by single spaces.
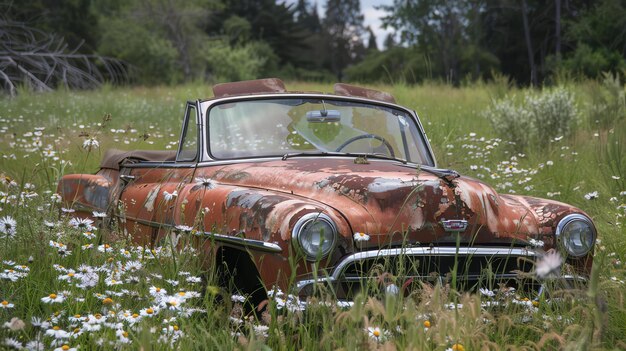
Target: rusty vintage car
pixel 303 190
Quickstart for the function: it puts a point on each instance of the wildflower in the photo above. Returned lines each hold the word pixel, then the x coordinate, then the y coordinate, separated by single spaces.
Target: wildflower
pixel 107 301
pixel 549 263
pixel 12 343
pixel 34 345
pixel 149 312
pixel 91 143
pixel 15 324
pixel 458 347
pixel 238 298
pixel 486 292
pixel 66 347
pixel 184 228
pixel 57 333
pixel 8 227
pixel 97 214
pixel 536 243
pixel 376 334
pixel 6 305
pixel 426 324
pixel 592 195
pixel 82 223
pixel 172 303
pixel 169 196
pixel 206 182
pixel 53 298
pixel 358 236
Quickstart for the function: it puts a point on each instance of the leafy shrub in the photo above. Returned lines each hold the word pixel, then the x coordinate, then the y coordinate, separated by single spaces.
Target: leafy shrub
pixel 608 104
pixel 240 62
pixel 540 118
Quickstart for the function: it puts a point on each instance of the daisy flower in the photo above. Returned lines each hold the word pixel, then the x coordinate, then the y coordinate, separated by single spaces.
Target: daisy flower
pixel 13 344
pixel 206 182
pixel 82 223
pixel 548 264
pixel 53 298
pixel 6 305
pixel 592 195
pixel 358 236
pixel 169 196
pixel 149 312
pixel 97 214
pixel 66 347
pixel 57 333
pixel 91 143
pixel 8 227
pixel 376 333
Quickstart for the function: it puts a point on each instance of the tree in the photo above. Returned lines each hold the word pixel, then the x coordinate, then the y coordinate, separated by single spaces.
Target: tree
pixel 371 41
pixel 343 27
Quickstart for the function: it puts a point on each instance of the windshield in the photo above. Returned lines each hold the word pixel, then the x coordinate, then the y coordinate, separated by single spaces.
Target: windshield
pixel 259 128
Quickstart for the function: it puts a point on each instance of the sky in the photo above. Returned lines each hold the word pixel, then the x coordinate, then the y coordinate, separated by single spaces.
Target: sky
pixel 372 16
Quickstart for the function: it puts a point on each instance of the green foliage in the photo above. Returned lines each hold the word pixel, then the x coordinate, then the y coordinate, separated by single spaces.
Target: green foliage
pixel 591 63
pixel 540 119
pixel 241 62
pixel 153 56
pixel 608 102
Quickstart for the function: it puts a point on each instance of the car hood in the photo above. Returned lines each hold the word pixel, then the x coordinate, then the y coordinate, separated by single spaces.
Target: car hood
pixel 396 203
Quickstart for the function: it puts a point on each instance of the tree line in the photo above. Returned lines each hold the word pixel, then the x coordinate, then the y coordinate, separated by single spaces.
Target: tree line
pixel 173 41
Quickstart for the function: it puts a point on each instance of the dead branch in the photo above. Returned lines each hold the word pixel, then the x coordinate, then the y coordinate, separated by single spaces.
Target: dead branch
pixel 42 62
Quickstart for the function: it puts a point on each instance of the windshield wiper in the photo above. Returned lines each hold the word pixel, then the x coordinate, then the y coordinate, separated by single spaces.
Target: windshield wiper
pixel 349 154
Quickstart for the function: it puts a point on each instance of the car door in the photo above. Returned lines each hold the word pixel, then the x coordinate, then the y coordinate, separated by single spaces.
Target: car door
pixel 152 194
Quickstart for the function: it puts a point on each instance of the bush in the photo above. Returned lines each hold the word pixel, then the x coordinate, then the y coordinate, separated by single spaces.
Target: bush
pixel 608 106
pixel 240 62
pixel 541 118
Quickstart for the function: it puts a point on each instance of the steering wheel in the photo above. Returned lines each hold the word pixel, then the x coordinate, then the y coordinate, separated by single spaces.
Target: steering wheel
pixel 367 136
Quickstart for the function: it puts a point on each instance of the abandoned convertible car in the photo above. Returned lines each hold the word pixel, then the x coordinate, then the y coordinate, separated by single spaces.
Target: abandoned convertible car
pixel 304 191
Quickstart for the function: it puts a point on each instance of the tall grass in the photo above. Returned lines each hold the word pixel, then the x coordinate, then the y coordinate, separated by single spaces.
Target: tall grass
pixel 42 137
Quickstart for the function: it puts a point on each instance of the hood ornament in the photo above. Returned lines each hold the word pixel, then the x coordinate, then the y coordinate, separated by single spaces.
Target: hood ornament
pixel 454 225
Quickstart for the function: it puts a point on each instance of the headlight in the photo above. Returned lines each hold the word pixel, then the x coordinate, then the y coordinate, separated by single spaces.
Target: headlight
pixel 315 235
pixel 576 234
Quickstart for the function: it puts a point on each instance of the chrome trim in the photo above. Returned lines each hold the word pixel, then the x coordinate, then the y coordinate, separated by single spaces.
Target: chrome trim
pixel 416 251
pixel 428 251
pixel 306 219
pixel 567 220
pixel 253 244
pixel 454 225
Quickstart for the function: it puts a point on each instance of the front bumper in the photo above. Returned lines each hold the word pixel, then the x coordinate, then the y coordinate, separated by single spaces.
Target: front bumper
pixel 476 267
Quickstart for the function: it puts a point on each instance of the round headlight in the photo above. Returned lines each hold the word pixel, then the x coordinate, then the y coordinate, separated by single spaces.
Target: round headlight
pixel 315 235
pixel 576 234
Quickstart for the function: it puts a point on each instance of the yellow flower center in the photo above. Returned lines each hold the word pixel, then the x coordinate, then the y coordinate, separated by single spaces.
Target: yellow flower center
pixel 76 330
pixel 536 303
pixel 4 302
pixel 70 274
pixel 173 303
pixel 65 347
pixel 426 324
pixel 158 289
pixel 56 327
pixel 135 315
pixel 149 311
pixel 77 316
pixel 376 332
pixel 106 246
pixel 98 316
pixel 182 293
pixel 53 296
pixel 126 252
pixel 361 234
pixel 125 334
pixel 107 301
pixel 458 347
pixel 176 327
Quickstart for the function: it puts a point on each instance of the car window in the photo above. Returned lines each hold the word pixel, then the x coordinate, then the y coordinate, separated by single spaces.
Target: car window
pixel 189 143
pixel 274 127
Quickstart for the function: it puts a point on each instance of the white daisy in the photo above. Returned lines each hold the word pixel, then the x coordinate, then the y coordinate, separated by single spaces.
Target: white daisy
pixel 53 298
pixel 358 236
pixel 206 182
pixel 548 264
pixel 169 196
pixel 8 227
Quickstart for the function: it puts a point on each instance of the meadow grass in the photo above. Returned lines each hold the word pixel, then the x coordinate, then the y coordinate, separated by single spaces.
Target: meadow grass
pixel 112 295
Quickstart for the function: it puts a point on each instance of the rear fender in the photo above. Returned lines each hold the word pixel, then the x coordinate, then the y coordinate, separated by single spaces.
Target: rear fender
pixel 85 192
